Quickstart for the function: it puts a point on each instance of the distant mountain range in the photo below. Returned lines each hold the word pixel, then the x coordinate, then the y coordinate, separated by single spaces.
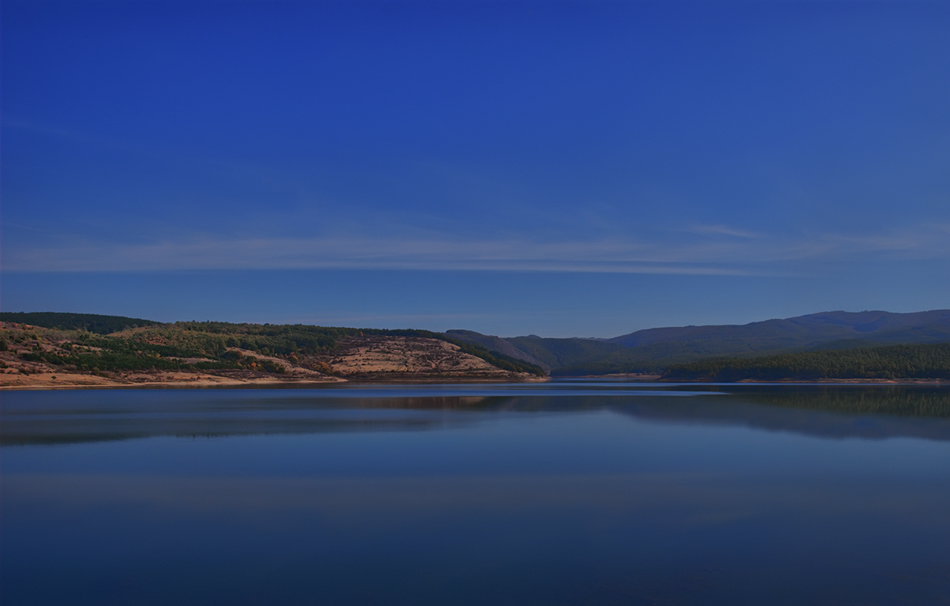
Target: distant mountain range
pixel 655 349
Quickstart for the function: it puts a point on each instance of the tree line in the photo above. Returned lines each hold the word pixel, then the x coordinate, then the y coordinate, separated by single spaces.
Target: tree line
pixel 929 361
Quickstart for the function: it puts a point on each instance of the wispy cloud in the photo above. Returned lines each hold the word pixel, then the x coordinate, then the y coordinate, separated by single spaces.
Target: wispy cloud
pixel 357 253
pixel 718 250
pixel 724 230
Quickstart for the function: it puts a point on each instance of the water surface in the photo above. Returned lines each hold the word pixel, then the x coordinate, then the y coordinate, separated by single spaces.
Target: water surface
pixel 561 493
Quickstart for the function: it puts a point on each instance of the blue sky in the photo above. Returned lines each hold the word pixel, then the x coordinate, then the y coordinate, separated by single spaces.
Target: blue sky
pixel 574 168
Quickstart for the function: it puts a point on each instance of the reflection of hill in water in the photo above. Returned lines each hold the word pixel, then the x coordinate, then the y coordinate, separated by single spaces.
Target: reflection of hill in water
pixel 832 412
pixel 123 421
pixel 829 412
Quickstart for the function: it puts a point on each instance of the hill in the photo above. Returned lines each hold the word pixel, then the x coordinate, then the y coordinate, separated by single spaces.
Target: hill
pixel 218 353
pixel 800 332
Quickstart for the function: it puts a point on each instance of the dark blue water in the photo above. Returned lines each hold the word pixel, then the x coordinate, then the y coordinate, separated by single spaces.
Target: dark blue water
pixel 562 493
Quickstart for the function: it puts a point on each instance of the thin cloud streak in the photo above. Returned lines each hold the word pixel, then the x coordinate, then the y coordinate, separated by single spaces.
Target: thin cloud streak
pixel 705 255
pixel 725 230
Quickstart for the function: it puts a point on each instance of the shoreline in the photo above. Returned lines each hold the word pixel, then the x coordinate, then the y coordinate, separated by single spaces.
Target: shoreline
pixel 87 382
pixel 815 382
pixel 67 382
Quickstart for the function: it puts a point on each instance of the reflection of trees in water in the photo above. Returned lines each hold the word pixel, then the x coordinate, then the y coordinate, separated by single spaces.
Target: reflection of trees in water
pixel 260 417
pixel 829 411
pixel 902 401
pixel 907 401
pixel 867 413
pixel 426 403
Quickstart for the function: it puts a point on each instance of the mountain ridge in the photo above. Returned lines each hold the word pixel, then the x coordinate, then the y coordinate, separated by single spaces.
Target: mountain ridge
pixel 652 350
pixel 833 322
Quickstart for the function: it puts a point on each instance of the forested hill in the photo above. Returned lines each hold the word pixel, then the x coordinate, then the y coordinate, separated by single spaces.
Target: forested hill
pixel 878 327
pixel 929 361
pixel 654 350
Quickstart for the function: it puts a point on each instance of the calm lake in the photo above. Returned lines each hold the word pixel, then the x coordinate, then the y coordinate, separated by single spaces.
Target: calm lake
pixel 557 493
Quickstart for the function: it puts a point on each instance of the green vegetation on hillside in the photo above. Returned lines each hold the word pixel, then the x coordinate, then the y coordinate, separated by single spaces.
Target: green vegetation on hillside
pixel 654 358
pixel 94 323
pixel 892 362
pixel 112 362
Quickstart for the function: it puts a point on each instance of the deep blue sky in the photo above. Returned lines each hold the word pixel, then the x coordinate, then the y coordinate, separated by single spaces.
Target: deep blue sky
pixel 571 168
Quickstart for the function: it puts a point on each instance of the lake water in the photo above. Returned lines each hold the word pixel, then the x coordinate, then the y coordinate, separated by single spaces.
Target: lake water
pixel 557 493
